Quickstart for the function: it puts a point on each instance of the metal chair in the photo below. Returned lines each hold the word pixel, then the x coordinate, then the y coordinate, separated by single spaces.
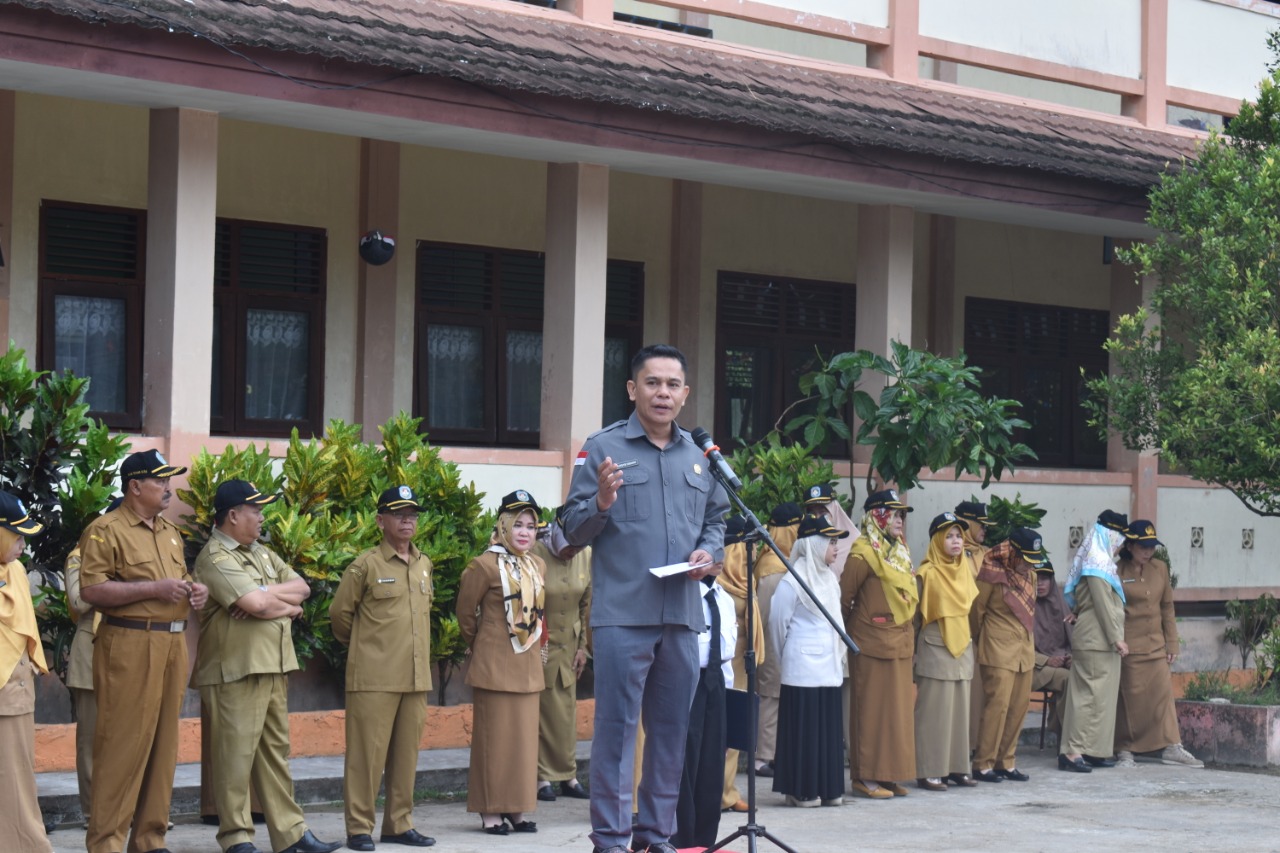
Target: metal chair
pixel 1048 698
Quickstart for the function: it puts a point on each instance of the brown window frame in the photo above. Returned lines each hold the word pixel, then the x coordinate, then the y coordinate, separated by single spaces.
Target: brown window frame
pixel 495 319
pixel 1011 341
pixel 132 290
pixel 235 300
pixel 783 333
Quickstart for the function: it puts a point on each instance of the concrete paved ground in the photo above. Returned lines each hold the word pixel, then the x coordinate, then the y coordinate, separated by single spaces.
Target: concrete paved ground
pixel 1151 807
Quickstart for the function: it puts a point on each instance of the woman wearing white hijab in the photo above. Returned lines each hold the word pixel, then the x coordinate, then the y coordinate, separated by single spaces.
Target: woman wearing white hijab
pixel 1094 593
pixel 808 768
pixel 500 603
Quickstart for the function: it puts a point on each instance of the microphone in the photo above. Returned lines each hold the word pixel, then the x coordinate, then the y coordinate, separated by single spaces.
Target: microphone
pixel 712 452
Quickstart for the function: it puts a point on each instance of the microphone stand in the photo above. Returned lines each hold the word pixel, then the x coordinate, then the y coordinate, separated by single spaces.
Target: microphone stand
pixel 752 830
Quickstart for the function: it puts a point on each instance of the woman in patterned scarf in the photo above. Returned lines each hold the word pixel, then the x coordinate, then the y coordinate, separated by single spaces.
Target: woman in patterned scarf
pixel 500 603
pixel 878 597
pixel 1095 594
pixel 1004 620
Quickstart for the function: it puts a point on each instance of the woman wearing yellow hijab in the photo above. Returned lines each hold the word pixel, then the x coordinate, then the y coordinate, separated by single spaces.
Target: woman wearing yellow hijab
pixel 21 658
pixel 500 604
pixel 944 659
pixel 878 597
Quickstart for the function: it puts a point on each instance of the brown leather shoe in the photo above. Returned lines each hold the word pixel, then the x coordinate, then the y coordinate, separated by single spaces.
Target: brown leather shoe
pixel 893 788
pixel 931 784
pixel 739 806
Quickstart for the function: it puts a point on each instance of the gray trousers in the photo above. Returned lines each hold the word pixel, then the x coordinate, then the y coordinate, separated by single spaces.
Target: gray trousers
pixel 654 669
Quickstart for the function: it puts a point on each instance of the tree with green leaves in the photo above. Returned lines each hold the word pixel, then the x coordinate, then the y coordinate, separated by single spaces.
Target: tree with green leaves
pixel 930 415
pixel 1197 370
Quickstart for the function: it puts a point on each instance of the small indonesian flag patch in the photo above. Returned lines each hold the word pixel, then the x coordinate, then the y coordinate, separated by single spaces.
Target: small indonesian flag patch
pixel 581 460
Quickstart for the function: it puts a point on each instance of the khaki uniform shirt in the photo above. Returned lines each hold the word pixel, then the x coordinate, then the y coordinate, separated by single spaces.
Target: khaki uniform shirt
pixel 231 648
pixel 80 661
pixel 119 546
pixel 382 611
pixel 482 621
pixel 567 586
pixel 867 616
pixel 1003 642
pixel 1149 624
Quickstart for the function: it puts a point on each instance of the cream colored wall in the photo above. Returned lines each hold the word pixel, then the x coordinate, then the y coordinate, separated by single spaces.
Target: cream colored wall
pixel 296 177
pixel 640 230
pixel 1222 560
pixel 66 150
pixel 996 261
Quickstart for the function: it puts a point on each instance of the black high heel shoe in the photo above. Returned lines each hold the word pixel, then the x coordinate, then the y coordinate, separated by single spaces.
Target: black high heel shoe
pixel 522 826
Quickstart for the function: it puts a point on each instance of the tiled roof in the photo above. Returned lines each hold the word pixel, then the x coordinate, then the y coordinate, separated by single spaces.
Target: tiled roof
pixel 550 56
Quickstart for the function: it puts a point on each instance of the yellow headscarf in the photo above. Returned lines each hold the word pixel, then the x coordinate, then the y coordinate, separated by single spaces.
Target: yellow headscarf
pixel 18 629
pixel 733 579
pixel 785 537
pixel 976 550
pixel 947 592
pixel 523 594
pixel 891 562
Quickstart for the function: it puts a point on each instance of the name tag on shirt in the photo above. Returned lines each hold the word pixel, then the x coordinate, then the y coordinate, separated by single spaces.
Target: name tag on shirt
pixel 633 463
pixel 386 580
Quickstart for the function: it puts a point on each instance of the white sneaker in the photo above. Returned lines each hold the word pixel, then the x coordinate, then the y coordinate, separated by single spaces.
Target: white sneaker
pixel 834 801
pixel 803 804
pixel 1124 758
pixel 1177 754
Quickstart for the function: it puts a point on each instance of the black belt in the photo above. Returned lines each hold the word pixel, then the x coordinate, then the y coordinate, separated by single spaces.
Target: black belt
pixel 146 625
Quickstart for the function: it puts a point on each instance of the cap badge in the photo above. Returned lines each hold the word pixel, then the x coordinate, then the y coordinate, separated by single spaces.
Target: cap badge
pixel 815 492
pixel 1035 544
pixel 949 516
pixel 1150 531
pixel 522 496
pixel 22 509
pixel 160 458
pixel 406 493
pixel 893 496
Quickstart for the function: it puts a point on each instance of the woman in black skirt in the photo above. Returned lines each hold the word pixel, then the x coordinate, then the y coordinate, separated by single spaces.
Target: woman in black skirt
pixel 808 766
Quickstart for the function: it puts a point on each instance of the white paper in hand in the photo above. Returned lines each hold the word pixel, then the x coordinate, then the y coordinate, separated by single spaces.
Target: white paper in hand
pixel 675 569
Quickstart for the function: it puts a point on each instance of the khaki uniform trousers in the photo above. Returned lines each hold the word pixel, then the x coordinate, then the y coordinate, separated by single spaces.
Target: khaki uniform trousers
pixel 208 805
pixel 139 678
pixel 250 722
pixel 384 730
pixel 1007 695
pixel 85 705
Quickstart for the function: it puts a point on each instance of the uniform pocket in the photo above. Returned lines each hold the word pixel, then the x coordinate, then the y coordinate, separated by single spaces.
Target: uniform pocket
pixel 633 496
pixel 388 590
pixel 696 495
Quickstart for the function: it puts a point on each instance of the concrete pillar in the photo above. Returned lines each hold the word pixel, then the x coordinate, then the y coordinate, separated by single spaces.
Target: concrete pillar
pixel 596 11
pixel 945 309
pixel 900 59
pixel 577 246
pixel 384 384
pixel 7 136
pixel 182 192
pixel 1152 106
pixel 884 282
pixel 692 310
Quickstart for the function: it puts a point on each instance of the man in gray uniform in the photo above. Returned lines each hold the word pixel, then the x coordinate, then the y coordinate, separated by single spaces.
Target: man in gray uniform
pixel 643 496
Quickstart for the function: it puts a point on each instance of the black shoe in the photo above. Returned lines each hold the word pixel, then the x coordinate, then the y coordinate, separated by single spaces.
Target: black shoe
pixel 962 779
pixel 1077 766
pixel 410 837
pixel 357 842
pixel 246 847
pixel 766 771
pixel 308 843
pixel 1014 775
pixel 547 793
pixel 574 790
pixel 1095 761
pixel 987 776
pixel 496 829
pixel 522 826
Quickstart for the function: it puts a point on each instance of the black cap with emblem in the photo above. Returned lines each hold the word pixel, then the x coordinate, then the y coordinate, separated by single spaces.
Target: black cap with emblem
pixel 399 497
pixel 234 493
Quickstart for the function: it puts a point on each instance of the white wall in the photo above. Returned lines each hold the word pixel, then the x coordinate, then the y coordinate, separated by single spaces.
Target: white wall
pixel 1221 561
pixel 499 480
pixel 1219 47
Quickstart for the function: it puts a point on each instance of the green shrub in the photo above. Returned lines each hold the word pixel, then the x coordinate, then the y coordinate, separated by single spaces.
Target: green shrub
pixel 325 518
pixel 61 464
pixel 773 473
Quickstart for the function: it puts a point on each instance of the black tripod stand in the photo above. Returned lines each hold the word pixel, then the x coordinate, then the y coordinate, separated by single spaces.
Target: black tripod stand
pixel 752 830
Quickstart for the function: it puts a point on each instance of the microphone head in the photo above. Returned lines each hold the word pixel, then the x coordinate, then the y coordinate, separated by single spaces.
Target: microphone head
pixel 701 437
